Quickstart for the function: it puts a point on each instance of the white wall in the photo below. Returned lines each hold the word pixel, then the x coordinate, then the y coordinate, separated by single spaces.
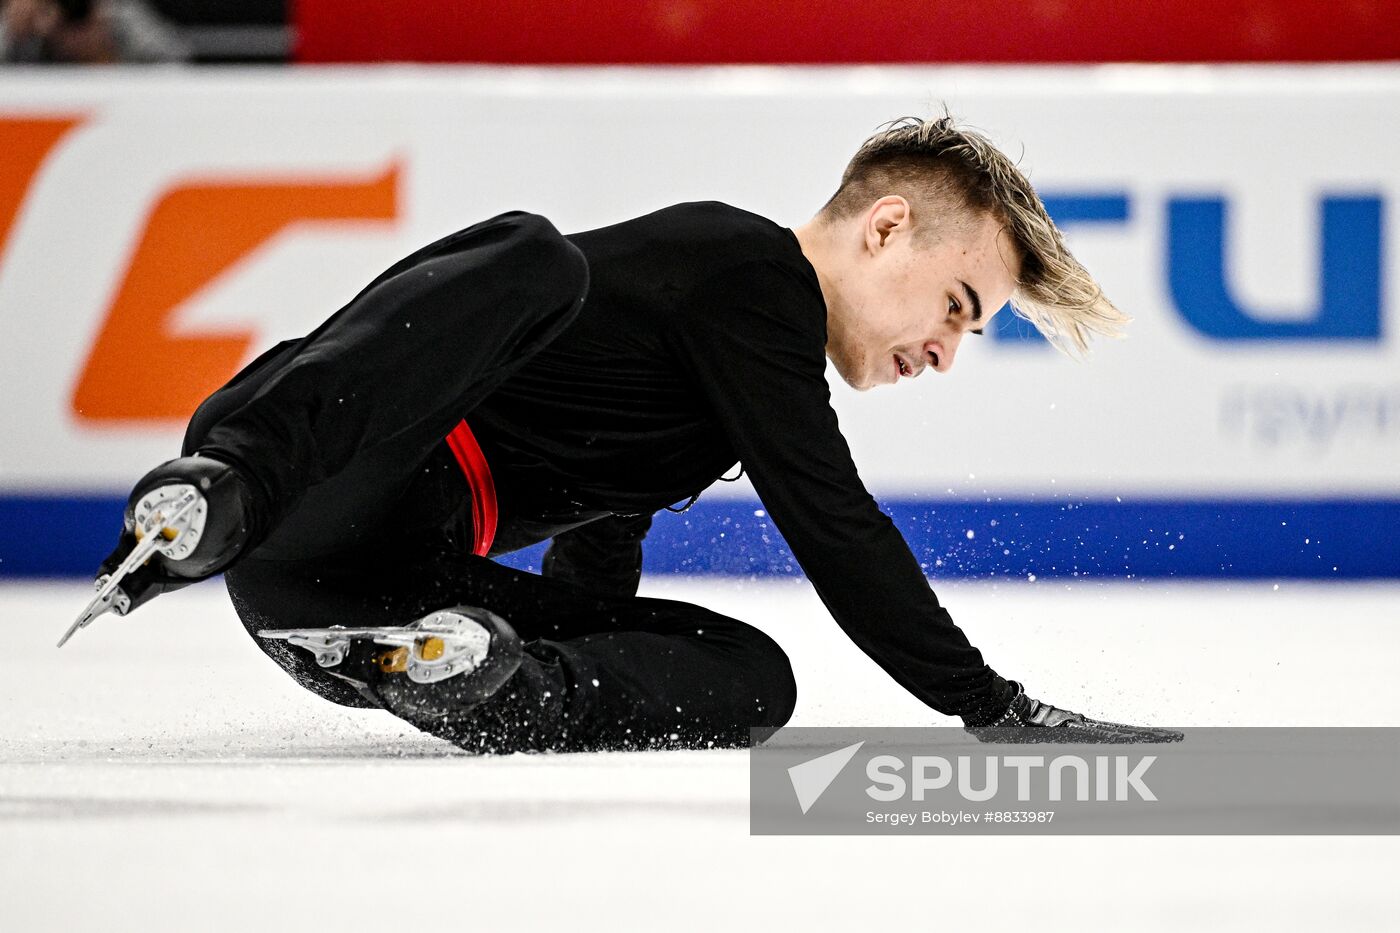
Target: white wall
pixel 1171 411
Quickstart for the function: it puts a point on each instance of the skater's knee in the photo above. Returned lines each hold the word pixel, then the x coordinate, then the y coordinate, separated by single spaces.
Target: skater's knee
pixel 780 700
pixel 562 266
pixel 548 267
pixel 559 277
pixel 774 685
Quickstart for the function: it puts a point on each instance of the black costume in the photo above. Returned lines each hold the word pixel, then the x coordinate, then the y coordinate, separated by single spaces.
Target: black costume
pixel 605 375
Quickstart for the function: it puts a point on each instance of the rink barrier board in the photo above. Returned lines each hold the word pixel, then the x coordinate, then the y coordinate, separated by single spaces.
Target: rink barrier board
pixel 1261 271
pixel 57 536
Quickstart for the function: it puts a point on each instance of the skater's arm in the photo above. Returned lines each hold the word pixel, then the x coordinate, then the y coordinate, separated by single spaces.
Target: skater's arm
pixel 603 555
pixel 398 363
pixel 762 371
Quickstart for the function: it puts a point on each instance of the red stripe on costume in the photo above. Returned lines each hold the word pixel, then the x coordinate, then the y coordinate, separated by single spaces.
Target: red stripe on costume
pixel 478 473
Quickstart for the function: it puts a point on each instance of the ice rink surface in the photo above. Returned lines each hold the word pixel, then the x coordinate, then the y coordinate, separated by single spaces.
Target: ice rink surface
pixel 160 774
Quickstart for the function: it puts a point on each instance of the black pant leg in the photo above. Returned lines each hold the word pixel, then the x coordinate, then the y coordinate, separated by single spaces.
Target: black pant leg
pixel 599 672
pixel 331 429
pixel 605 672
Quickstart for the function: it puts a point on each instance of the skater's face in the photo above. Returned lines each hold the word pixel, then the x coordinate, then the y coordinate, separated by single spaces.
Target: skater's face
pixel 902 303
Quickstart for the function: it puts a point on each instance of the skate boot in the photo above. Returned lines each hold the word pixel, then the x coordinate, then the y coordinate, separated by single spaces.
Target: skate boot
pixel 221 521
pixel 441 665
pixel 186 520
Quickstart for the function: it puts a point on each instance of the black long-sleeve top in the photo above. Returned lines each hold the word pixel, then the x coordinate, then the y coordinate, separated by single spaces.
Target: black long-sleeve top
pixel 605 375
pixel 702 343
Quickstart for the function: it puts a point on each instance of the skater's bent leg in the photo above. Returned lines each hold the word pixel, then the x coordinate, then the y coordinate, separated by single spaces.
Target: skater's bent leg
pixel 598 673
pixel 697 680
pixel 341 419
pixel 604 672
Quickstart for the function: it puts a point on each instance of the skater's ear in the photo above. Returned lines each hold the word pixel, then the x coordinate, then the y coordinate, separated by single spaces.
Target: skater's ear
pixel 889 217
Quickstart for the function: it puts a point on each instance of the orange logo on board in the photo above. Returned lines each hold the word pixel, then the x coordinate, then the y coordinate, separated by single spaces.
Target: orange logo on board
pixel 195 233
pixel 141 367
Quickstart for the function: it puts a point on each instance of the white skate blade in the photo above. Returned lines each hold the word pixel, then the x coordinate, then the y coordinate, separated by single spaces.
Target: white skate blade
pixel 446 643
pixel 168 520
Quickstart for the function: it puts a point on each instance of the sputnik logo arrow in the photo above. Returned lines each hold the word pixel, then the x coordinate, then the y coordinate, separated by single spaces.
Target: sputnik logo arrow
pixel 811 778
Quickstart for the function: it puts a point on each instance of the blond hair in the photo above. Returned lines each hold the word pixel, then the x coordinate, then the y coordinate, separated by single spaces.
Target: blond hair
pixel 932 160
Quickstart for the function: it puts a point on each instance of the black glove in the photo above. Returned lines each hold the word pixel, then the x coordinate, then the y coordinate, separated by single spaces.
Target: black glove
pixel 1031 721
pixel 230 528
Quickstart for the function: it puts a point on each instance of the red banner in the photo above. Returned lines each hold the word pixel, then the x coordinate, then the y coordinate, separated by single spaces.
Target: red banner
pixel 840 31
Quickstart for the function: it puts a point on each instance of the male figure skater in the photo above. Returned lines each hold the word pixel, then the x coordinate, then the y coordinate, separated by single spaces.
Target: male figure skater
pixel 508 384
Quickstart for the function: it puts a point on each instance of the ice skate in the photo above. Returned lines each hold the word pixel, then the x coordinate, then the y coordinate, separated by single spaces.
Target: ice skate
pixel 167 520
pixel 186 520
pixel 475 649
